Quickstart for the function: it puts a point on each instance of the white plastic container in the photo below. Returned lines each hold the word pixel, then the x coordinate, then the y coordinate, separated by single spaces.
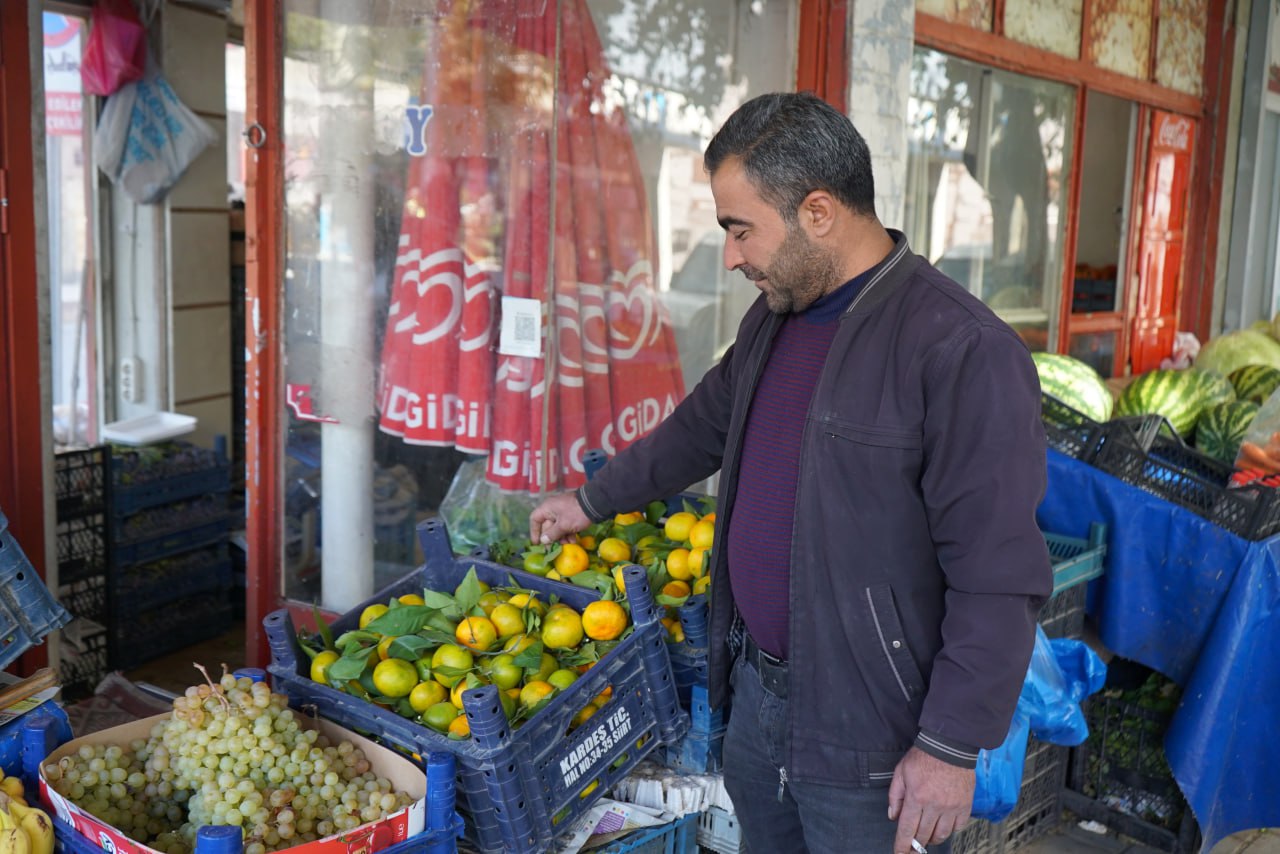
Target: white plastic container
pixel 146 429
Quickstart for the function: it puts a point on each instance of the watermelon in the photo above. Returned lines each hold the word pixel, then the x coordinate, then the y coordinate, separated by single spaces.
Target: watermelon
pixel 1223 426
pixel 1075 383
pixel 1255 382
pixel 1234 350
pixel 1180 396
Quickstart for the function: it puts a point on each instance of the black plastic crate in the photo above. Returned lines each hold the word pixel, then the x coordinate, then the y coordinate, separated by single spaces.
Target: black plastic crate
pixel 1063 615
pixel 86 598
pixel 1038 810
pixel 1069 430
pixel 1120 776
pixel 82 664
pixel 160 631
pixel 1164 466
pixel 149 585
pixel 83 544
pixel 80 481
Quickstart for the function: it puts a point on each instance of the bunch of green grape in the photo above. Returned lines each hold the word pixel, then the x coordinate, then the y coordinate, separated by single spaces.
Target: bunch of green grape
pixel 231 753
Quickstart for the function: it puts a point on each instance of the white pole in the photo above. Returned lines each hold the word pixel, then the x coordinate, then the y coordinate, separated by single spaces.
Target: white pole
pixel 347 366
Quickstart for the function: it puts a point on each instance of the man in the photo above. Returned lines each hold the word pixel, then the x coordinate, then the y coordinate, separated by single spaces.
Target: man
pixel 878 568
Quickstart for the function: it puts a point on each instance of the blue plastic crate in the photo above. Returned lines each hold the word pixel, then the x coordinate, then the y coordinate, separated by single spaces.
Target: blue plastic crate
pixel 146 586
pixel 131 491
pixel 151 634
pixel 172 543
pixel 677 837
pixel 1074 560
pixel 701 751
pixel 28 610
pixel 518 789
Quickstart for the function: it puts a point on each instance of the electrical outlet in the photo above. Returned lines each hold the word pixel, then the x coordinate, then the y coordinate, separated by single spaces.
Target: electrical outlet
pixel 130 379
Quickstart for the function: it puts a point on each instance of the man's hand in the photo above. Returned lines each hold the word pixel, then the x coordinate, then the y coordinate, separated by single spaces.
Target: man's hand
pixel 556 518
pixel 930 799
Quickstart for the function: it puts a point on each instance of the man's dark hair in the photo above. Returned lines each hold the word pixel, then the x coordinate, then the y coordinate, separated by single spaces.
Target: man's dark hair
pixel 792 143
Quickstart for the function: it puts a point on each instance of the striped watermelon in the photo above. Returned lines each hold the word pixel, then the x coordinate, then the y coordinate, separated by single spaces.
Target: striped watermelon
pixel 1255 382
pixel 1223 426
pixel 1179 396
pixel 1074 383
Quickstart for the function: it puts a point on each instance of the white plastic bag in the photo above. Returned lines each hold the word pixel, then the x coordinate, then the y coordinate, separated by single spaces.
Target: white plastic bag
pixel 147 138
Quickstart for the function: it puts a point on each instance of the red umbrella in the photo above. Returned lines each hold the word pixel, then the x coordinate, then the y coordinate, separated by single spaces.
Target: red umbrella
pixel 577 238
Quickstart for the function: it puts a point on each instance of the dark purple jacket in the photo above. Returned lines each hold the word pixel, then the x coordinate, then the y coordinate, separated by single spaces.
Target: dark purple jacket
pixel 917 567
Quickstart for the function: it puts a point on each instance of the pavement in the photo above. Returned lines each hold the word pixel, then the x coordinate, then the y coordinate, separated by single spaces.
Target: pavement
pixel 1071 839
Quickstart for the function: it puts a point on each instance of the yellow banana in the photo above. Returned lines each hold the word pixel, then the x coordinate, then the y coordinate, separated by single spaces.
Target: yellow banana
pixel 39 830
pixel 6 819
pixel 12 786
pixel 14 840
pixel 15 807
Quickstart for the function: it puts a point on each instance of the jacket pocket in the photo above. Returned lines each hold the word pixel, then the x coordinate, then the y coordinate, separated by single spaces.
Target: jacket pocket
pixel 878 436
pixel 892 641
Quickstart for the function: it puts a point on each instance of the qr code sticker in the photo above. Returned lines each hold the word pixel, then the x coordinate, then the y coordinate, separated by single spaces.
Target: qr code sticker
pixel 526 330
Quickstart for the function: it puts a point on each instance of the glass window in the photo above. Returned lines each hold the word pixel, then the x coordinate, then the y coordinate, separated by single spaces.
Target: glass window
pixel 501 252
pixel 70 176
pixel 987 176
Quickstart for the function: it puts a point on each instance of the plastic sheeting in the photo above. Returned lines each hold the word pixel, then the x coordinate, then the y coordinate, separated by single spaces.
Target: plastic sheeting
pixel 1202 606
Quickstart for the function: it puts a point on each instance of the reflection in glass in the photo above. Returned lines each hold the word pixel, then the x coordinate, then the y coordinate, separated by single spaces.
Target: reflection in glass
pixel 988 169
pixel 73 311
pixel 501 250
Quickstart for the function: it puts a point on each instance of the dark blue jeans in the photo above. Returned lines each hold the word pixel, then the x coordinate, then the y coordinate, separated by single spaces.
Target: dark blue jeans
pixel 795 817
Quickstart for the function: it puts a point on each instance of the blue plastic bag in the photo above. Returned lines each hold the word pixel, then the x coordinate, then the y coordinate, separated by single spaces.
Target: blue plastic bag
pixel 1000 773
pixel 1062 672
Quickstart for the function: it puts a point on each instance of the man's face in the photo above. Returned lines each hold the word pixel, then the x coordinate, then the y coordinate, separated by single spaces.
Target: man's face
pixel 789 268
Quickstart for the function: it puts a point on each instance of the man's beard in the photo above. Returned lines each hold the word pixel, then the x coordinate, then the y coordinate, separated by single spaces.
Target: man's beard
pixel 799 273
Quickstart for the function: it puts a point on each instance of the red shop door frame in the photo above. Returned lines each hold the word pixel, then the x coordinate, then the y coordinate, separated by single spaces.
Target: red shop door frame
pixel 1161 245
pixel 21 406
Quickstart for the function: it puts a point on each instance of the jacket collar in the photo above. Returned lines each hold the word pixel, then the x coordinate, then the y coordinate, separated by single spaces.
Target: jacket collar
pixel 896 267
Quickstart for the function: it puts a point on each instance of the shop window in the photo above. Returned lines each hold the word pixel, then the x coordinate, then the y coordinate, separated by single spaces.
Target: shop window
pixel 988 170
pixel 70 179
pixel 500 253
pixel 1106 161
pixel 1097 349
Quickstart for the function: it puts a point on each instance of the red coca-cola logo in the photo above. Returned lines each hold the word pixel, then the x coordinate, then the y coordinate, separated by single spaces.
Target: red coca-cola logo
pixel 1174 132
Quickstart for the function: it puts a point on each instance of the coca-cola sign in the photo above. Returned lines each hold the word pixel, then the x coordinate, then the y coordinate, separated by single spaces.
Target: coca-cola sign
pixel 1174 132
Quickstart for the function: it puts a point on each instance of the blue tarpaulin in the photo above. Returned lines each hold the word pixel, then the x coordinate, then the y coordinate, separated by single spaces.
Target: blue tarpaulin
pixel 1202 606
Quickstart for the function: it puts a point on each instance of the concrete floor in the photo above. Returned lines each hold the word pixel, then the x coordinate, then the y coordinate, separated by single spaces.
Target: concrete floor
pixel 1071 839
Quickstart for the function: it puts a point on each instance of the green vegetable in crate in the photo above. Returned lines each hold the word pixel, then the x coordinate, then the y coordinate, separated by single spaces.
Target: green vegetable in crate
pixel 1255 382
pixel 1223 426
pixel 1074 383
pixel 1180 396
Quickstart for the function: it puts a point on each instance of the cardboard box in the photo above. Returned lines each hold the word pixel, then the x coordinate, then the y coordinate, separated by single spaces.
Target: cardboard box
pixel 405 776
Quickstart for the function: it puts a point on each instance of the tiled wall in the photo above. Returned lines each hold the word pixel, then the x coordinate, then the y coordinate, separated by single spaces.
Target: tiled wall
pixel 194 44
pixel 883 33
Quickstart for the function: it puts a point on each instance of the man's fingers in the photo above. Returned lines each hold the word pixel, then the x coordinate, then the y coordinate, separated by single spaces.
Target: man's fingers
pixel 897 790
pixel 942 830
pixel 908 829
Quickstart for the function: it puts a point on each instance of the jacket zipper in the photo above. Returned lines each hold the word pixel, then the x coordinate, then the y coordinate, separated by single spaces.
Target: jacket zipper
pixel 895 258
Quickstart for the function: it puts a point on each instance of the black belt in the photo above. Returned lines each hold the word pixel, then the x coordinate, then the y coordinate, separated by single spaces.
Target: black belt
pixel 772 670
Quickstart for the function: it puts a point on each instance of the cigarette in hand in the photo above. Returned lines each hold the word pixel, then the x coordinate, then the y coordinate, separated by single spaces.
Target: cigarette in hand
pixel 918 848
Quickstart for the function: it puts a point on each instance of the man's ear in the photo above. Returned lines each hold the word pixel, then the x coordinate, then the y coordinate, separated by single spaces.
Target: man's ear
pixel 818 213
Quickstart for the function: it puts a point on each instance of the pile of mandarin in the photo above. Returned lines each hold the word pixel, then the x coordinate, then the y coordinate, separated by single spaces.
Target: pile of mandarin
pixel 674 549
pixel 417 654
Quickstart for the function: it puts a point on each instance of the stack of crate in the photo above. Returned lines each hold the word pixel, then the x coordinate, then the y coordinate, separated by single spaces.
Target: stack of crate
pixel 82 484
pixel 170 568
